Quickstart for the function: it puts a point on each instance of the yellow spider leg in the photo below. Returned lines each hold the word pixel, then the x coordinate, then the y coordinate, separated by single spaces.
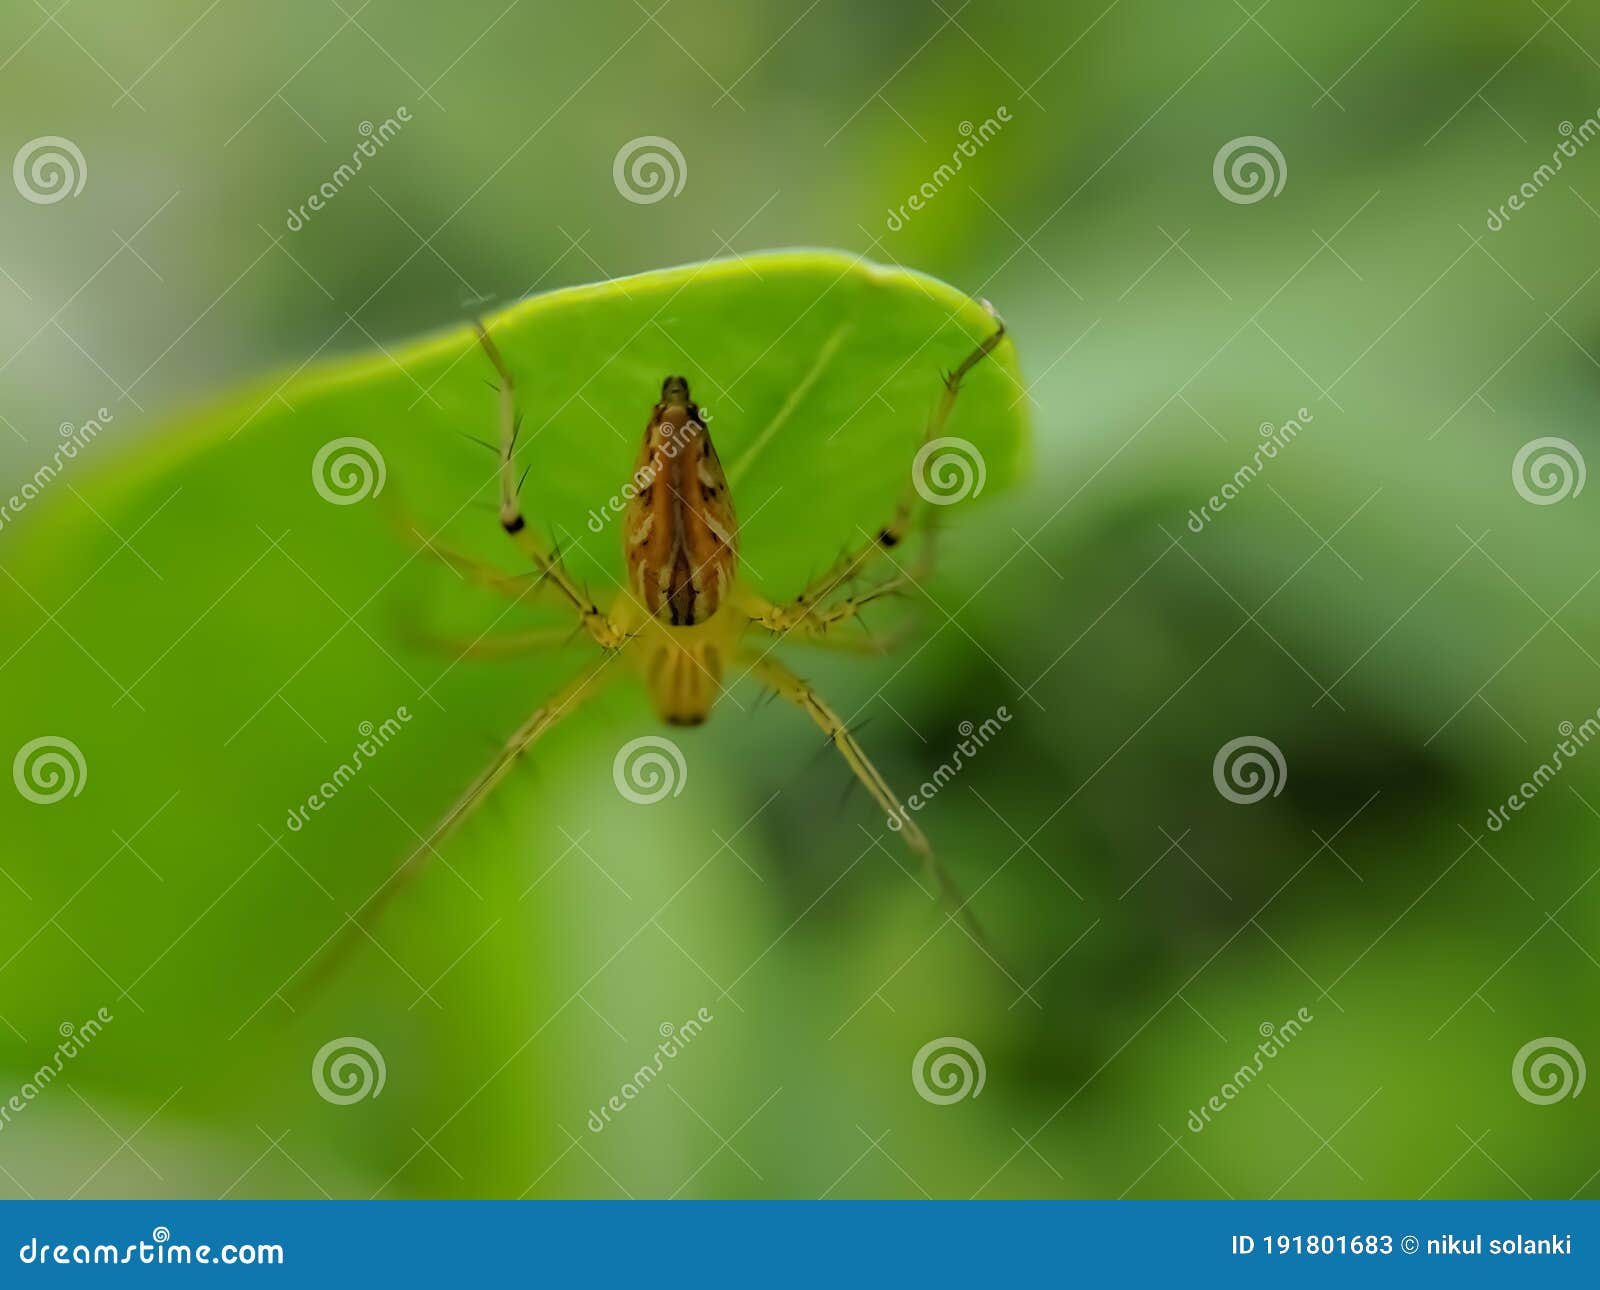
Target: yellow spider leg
pixel 814 622
pixel 799 693
pixel 515 524
pixel 864 645
pixel 783 617
pixel 544 718
pixel 513 586
pixel 777 675
pixel 510 645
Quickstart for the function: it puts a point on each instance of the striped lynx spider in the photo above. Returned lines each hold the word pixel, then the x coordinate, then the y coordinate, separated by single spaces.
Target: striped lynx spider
pixel 684 615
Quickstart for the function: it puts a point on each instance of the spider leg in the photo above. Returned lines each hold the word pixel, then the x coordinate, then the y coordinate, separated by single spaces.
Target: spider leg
pixel 480 573
pixel 517 587
pixel 358 925
pixel 865 644
pixel 548 562
pixel 509 645
pixel 784 617
pixel 815 621
pixel 798 692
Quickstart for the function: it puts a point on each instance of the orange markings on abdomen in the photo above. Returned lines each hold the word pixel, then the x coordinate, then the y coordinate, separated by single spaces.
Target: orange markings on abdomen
pixel 680 535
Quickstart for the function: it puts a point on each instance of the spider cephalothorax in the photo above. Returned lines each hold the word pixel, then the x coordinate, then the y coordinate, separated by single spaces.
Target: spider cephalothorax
pixel 683 615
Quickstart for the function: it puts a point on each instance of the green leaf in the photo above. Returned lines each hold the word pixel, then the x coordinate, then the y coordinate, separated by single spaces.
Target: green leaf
pixel 193 615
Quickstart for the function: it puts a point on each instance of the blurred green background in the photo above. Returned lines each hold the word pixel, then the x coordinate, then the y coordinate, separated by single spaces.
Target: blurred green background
pixel 1381 602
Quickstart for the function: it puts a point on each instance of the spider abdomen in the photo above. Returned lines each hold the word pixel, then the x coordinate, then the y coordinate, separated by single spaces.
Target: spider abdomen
pixel 680 537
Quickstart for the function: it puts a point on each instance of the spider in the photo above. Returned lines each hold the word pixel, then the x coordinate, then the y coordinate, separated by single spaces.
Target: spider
pixel 684 614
